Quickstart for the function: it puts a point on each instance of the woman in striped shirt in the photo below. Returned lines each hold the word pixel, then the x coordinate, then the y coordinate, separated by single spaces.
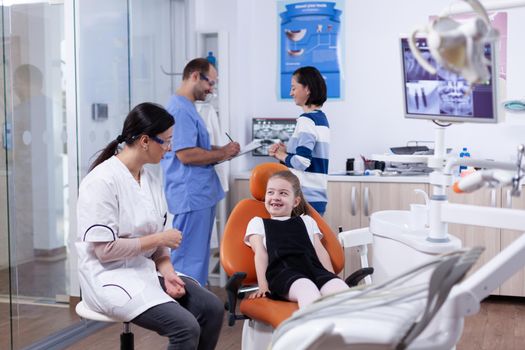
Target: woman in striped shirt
pixel 308 149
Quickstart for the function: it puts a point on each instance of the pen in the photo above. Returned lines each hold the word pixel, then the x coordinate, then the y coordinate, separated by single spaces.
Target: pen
pixel 229 137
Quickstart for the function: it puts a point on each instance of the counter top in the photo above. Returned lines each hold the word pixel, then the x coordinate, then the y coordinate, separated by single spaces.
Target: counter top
pixel 347 178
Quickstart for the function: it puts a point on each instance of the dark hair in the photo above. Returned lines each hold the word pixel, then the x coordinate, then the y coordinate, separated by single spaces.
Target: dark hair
pixel 287 175
pixel 30 75
pixel 145 119
pixel 314 81
pixel 200 65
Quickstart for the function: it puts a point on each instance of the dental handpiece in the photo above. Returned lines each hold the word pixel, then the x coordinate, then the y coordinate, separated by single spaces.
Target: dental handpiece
pixel 424 97
pixel 417 100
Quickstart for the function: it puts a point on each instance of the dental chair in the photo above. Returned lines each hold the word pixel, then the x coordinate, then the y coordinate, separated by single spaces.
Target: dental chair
pixel 263 315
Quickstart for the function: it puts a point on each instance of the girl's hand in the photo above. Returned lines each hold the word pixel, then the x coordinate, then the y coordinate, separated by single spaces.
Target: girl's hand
pixel 261 293
pixel 174 286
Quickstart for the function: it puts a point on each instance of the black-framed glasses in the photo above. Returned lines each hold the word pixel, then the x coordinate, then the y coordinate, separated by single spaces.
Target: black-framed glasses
pixel 205 78
pixel 165 144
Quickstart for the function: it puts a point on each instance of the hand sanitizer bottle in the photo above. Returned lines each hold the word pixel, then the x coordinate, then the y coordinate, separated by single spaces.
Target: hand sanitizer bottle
pixel 212 59
pixel 463 154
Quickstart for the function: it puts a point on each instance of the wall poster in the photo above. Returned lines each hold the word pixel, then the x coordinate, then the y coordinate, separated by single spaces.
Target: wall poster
pixel 311 35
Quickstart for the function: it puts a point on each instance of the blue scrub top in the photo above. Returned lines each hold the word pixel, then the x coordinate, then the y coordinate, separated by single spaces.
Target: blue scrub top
pixel 189 187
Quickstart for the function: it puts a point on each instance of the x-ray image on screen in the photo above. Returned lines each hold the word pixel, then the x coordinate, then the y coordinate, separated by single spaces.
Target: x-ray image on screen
pixel 445 95
pixel 270 131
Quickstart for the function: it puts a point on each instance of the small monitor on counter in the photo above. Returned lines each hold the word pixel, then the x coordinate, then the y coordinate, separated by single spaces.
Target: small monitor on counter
pixel 270 131
pixel 445 96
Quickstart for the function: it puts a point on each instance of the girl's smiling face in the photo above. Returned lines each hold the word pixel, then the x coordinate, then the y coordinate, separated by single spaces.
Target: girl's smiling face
pixel 280 199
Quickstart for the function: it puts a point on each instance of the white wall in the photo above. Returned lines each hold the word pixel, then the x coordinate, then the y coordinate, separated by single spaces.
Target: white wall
pixel 370 117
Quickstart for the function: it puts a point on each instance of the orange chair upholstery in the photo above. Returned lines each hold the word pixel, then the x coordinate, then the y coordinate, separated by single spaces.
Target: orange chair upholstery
pixel 238 257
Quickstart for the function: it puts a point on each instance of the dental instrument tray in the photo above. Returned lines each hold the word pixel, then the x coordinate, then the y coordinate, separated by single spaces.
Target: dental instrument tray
pixel 409 149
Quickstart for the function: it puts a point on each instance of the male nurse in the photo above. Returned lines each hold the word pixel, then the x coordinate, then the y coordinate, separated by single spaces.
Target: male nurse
pixel 192 186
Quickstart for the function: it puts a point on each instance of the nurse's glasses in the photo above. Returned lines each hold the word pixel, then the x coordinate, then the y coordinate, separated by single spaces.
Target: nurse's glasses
pixel 163 143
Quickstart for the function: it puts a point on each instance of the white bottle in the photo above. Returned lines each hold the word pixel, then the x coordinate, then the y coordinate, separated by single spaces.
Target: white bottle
pixel 359 166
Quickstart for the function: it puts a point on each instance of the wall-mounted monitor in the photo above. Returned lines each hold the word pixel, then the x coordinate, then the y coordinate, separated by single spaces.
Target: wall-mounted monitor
pixel 445 96
pixel 270 131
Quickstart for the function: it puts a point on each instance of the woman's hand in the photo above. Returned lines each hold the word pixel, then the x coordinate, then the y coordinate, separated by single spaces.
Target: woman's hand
pixel 174 286
pixel 261 293
pixel 171 238
pixel 278 150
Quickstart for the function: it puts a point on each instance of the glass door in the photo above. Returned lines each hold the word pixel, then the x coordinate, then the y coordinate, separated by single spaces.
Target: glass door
pixel 5 298
pixel 33 173
pixel 122 51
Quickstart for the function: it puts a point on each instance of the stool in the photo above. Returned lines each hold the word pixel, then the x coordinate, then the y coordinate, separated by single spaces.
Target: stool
pixel 126 337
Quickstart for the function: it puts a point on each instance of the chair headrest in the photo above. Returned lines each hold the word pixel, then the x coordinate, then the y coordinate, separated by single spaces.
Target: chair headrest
pixel 259 178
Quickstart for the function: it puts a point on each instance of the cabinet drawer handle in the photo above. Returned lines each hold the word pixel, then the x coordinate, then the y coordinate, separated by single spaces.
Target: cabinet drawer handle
pixel 509 199
pixel 493 198
pixel 366 202
pixel 353 209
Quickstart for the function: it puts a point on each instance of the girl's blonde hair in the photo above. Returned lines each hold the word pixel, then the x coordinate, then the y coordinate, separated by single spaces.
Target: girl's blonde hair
pixel 302 207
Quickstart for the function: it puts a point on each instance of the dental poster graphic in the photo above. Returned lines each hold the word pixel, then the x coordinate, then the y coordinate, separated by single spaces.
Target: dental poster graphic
pixel 310 35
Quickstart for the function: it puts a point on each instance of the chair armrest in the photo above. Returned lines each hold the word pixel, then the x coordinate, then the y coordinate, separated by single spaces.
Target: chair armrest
pixel 246 290
pixel 354 238
pixel 354 279
pixel 233 288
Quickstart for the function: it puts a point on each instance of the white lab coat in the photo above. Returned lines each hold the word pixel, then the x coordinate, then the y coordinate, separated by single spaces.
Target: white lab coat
pixel 217 138
pixel 112 204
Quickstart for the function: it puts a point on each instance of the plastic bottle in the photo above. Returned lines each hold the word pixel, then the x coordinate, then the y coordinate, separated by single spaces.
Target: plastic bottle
pixel 359 166
pixel 463 154
pixel 212 59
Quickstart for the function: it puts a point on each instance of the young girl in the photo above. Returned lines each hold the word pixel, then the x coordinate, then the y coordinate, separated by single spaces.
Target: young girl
pixel 290 261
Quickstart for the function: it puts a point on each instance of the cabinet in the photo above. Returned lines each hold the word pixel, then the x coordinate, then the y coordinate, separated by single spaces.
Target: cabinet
pixel 515 286
pixel 472 236
pixel 350 204
pixel 493 239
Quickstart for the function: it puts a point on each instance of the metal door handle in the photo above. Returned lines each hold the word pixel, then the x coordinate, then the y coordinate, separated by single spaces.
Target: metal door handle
pixel 365 209
pixel 353 209
pixel 509 199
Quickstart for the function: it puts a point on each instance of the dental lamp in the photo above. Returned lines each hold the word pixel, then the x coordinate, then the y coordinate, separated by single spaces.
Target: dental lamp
pixel 458 46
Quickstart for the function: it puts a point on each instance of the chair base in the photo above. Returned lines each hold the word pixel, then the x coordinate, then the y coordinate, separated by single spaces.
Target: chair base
pixel 127 341
pixel 126 337
pixel 256 335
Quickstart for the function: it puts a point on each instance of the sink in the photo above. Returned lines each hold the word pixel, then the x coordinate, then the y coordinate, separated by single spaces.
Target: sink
pixel 393 225
pixel 389 222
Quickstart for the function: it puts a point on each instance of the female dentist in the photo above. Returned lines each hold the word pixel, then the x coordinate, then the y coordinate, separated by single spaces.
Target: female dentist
pixel 122 243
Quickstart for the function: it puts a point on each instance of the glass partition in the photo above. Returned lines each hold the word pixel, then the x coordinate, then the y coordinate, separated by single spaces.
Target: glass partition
pixel 124 55
pixel 34 176
pixel 5 298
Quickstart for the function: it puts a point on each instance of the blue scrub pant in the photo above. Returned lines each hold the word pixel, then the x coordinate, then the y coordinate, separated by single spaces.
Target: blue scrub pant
pixel 193 255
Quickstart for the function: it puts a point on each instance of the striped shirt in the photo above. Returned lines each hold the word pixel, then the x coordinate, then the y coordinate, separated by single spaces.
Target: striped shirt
pixel 308 153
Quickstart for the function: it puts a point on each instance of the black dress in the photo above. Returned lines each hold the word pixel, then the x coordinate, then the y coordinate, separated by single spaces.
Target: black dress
pixel 291 255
